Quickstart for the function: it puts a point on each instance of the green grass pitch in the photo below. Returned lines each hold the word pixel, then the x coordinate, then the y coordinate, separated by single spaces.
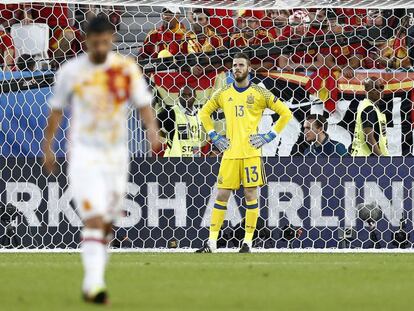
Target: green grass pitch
pixel 224 281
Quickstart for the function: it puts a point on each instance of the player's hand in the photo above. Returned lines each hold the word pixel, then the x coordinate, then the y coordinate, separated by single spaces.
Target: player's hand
pixel 258 140
pixel 155 141
pixel 49 161
pixel 221 142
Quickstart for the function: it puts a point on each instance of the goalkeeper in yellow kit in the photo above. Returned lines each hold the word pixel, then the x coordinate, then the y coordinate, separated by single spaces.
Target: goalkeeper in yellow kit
pixel 243 104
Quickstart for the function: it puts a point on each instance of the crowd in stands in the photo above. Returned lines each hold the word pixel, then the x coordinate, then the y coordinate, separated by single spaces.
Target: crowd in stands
pixel 385 41
pixel 387 29
pixel 213 29
pixel 66 27
pixel 382 44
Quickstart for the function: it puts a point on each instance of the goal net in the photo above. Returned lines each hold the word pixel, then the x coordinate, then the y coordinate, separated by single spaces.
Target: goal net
pixel 319 57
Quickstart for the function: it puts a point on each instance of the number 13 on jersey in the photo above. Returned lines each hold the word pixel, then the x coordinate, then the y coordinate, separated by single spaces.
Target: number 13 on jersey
pixel 239 110
pixel 234 172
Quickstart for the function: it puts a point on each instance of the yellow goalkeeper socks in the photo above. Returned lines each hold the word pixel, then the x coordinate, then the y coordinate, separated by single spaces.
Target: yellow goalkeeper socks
pixel 252 213
pixel 217 219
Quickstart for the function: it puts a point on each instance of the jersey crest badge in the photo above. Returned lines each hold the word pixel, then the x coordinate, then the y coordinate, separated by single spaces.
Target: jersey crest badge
pixel 250 99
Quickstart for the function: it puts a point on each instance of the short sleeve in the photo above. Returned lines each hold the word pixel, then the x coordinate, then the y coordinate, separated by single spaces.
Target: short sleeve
pixel 61 90
pixel 140 94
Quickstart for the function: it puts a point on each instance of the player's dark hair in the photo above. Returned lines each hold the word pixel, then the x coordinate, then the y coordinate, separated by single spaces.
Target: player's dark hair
pixel 242 55
pixel 319 119
pixel 98 25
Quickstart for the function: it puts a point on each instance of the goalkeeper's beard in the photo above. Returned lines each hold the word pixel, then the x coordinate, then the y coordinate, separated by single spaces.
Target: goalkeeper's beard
pixel 239 77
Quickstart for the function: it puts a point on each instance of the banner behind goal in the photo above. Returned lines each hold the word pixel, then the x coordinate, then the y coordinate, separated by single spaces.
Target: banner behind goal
pixel 315 56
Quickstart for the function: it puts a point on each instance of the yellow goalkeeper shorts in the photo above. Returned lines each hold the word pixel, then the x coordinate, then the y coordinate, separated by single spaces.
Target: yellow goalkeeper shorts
pixel 234 172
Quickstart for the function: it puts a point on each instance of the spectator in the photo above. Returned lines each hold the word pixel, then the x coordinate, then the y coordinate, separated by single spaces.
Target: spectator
pixel 410 35
pixel 252 33
pixel 6 51
pixel 338 58
pixel 370 129
pixel 384 47
pixel 324 21
pixel 279 20
pixel 181 126
pixel 221 20
pixel 315 131
pixel 168 38
pixel 306 58
pixel 202 39
pixel 65 41
pixel 394 52
pixel 26 63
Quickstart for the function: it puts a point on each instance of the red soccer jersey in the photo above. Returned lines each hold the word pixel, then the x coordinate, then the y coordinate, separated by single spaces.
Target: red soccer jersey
pixel 6 42
pixel 221 21
pixel 163 39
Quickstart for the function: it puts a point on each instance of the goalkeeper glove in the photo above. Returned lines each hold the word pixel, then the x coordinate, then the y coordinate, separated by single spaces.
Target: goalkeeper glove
pixel 258 140
pixel 221 142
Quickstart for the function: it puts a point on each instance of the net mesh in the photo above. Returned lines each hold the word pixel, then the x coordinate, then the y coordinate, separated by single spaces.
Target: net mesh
pixel 315 60
pixel 241 4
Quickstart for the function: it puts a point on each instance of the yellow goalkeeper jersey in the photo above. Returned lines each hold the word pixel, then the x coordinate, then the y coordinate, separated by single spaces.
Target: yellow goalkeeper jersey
pixel 243 109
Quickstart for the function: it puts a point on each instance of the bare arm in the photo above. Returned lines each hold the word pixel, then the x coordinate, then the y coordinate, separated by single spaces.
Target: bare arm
pixel 370 140
pixel 150 122
pixel 53 122
pixel 8 59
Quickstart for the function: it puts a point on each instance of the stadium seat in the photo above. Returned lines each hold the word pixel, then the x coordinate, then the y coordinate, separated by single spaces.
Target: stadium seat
pixel 32 39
